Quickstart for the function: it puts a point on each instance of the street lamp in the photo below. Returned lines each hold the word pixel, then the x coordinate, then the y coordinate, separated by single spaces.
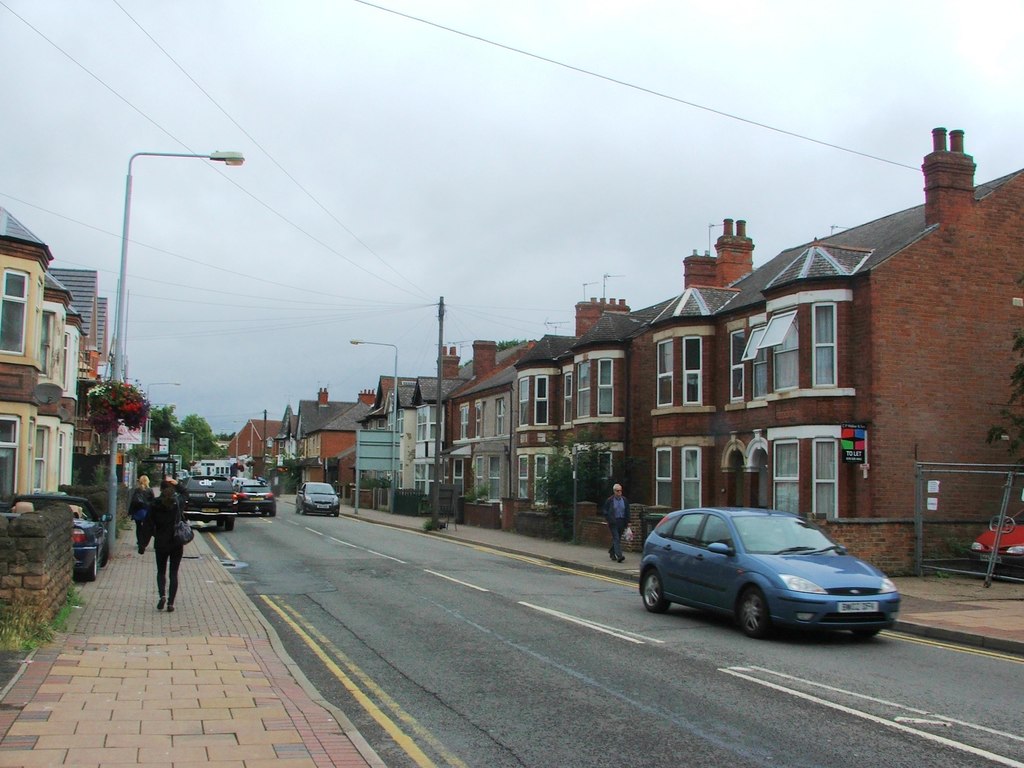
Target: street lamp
pixel 394 415
pixel 117 370
pixel 149 419
pixel 192 449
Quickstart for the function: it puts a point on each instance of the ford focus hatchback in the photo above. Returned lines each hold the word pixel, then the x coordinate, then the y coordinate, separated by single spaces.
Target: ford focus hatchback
pixel 765 568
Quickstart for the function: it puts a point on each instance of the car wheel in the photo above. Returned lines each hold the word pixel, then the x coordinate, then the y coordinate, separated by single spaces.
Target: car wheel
pixel 273 513
pixel 337 514
pixel 90 574
pixel 652 592
pixel 106 556
pixel 752 613
pixel 865 634
pixel 229 525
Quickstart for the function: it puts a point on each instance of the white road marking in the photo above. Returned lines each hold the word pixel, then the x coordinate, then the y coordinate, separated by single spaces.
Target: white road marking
pixel 456 581
pixel 622 634
pixel 741 672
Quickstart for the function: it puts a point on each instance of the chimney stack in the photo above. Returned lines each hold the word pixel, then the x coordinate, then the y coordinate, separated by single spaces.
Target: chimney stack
pixel 589 312
pixel 367 397
pixel 735 253
pixel 948 179
pixel 485 356
pixel 321 396
pixel 449 363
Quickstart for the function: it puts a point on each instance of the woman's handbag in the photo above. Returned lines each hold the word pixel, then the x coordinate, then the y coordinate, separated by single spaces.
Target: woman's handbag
pixel 183 532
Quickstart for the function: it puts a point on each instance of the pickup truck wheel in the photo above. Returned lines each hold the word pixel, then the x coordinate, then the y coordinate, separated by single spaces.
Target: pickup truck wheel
pixel 229 524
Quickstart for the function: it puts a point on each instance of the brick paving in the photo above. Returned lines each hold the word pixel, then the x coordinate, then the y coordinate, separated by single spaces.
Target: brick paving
pixel 207 685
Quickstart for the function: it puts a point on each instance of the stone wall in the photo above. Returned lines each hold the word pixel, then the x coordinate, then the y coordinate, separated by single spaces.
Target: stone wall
pixel 36 560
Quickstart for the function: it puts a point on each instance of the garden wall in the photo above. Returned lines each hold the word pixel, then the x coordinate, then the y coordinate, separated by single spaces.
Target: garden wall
pixel 36 560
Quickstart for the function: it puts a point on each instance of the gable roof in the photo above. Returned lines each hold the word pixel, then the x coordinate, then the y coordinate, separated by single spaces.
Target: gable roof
pixel 15 230
pixel 348 419
pixel 312 416
pixel 83 284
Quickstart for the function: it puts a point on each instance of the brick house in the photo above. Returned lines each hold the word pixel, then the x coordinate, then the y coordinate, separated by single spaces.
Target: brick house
pixel 250 444
pixel 324 431
pixel 735 391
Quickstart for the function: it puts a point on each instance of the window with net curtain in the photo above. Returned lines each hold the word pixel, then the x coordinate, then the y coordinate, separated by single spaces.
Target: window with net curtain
pixel 825 481
pixel 786 469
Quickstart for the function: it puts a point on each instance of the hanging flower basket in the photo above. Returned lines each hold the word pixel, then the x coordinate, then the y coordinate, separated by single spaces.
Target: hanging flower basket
pixel 115 402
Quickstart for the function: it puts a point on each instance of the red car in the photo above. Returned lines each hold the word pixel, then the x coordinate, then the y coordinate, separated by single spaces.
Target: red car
pixel 1011 542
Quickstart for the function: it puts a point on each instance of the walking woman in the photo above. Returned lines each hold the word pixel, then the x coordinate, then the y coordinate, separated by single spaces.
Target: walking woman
pixel 163 514
pixel 138 508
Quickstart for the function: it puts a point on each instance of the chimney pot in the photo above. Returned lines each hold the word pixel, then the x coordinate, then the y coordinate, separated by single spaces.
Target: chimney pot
pixel 956 141
pixel 741 228
pixel 727 228
pixel 938 139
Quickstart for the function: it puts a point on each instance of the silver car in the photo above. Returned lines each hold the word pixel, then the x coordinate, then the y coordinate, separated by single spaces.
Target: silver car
pixel 317 498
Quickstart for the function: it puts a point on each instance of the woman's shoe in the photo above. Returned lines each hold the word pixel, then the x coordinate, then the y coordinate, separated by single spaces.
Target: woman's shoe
pixel 621 559
pixel 170 608
pixel 160 604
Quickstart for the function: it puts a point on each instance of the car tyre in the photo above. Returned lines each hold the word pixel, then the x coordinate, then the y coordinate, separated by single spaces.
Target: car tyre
pixel 752 614
pixel 273 513
pixel 106 556
pixel 337 514
pixel 229 524
pixel 90 575
pixel 653 593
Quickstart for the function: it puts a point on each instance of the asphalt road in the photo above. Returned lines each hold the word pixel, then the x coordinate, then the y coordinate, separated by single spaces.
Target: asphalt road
pixel 443 654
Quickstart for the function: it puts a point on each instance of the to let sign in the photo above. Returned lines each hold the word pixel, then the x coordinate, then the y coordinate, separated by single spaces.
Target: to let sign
pixel 853 442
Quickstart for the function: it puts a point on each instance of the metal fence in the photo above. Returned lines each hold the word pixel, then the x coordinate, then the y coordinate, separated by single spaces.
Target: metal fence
pixel 957 504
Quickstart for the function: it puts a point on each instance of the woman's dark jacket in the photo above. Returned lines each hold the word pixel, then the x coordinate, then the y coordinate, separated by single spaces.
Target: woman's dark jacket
pixel 159 523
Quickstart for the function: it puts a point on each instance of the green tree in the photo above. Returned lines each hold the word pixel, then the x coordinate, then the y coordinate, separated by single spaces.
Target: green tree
pixel 592 481
pixel 1011 427
pixel 163 422
pixel 194 436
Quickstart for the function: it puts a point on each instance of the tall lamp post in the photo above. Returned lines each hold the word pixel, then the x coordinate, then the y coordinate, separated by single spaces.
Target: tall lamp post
pixel 119 345
pixel 149 420
pixel 394 415
pixel 192 448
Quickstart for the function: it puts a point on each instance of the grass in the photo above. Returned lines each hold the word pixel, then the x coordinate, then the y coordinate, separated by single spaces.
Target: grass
pixel 22 629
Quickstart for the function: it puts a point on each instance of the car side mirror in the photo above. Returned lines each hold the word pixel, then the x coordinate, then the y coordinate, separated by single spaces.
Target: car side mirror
pixel 720 548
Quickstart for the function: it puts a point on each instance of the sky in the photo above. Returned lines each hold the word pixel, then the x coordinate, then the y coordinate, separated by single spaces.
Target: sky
pixel 512 158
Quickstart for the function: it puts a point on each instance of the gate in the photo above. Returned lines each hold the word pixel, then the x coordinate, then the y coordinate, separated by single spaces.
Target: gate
pixel 955 505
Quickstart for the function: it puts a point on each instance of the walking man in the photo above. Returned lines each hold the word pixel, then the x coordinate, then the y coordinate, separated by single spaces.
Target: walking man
pixel 616 514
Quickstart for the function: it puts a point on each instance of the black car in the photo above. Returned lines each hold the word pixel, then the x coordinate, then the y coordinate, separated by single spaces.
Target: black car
pixel 319 498
pixel 90 532
pixel 211 499
pixel 255 498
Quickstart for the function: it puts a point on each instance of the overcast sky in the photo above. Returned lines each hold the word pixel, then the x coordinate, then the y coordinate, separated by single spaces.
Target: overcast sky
pixel 514 158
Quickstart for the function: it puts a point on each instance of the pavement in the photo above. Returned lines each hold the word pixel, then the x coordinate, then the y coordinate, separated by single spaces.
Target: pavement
pixel 212 685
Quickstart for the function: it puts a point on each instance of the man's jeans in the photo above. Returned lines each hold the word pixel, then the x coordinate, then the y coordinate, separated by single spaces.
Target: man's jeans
pixel 617 526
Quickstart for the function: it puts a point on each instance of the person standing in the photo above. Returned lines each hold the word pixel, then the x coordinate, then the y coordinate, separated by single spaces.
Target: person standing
pixel 163 514
pixel 138 507
pixel 616 515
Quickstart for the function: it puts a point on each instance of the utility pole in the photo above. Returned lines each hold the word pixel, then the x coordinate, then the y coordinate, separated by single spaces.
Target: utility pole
pixel 263 450
pixel 436 488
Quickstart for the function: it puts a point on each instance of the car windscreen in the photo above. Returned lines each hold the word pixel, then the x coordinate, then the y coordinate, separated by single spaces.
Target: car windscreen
pixel 319 488
pixel 779 534
pixel 254 488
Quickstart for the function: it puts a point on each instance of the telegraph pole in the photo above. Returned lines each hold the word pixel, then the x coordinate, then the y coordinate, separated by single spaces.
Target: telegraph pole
pixel 436 488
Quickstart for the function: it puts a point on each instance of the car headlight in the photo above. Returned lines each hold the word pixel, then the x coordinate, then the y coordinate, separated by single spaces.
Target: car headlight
pixel 887 586
pixel 977 547
pixel 800 584
pixel 1017 549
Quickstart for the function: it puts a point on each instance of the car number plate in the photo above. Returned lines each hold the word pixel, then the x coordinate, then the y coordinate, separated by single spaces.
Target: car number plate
pixel 210 509
pixel 869 607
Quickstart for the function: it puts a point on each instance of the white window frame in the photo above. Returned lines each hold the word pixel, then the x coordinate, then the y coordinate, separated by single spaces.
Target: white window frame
pixel 606 464
pixel 493 477
pixel 567 398
pixel 426 423
pixel 825 461
pixel 540 471
pixel 478 419
pixel 13 302
pixel 39 459
pixel 690 477
pixel 499 417
pixel 464 421
pixel 665 372
pixel 786 363
pixel 693 384
pixel 823 362
pixel 46 334
pixel 9 427
pixel 737 383
pixel 583 389
pixel 540 399
pixel 459 475
pixel 605 387
pixel 785 486
pixel 663 477
pixel 478 473
pixel 524 476
pixel 759 374
pixel 524 400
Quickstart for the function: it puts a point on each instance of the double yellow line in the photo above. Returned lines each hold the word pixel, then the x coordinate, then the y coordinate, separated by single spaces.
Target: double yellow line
pixel 366 692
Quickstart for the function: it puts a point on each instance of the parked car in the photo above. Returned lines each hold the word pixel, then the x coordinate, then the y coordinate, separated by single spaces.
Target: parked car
pixel 211 499
pixel 764 568
pixel 90 532
pixel 1011 543
pixel 317 497
pixel 255 498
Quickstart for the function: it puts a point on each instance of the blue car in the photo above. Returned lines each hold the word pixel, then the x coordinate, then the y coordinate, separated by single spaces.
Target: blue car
pixel 764 568
pixel 90 531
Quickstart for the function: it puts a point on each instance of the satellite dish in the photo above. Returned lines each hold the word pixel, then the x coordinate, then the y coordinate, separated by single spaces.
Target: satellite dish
pixel 47 394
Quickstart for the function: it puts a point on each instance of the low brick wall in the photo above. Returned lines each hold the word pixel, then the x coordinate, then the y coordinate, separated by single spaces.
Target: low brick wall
pixel 537 524
pixel 886 544
pixel 482 515
pixel 36 561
